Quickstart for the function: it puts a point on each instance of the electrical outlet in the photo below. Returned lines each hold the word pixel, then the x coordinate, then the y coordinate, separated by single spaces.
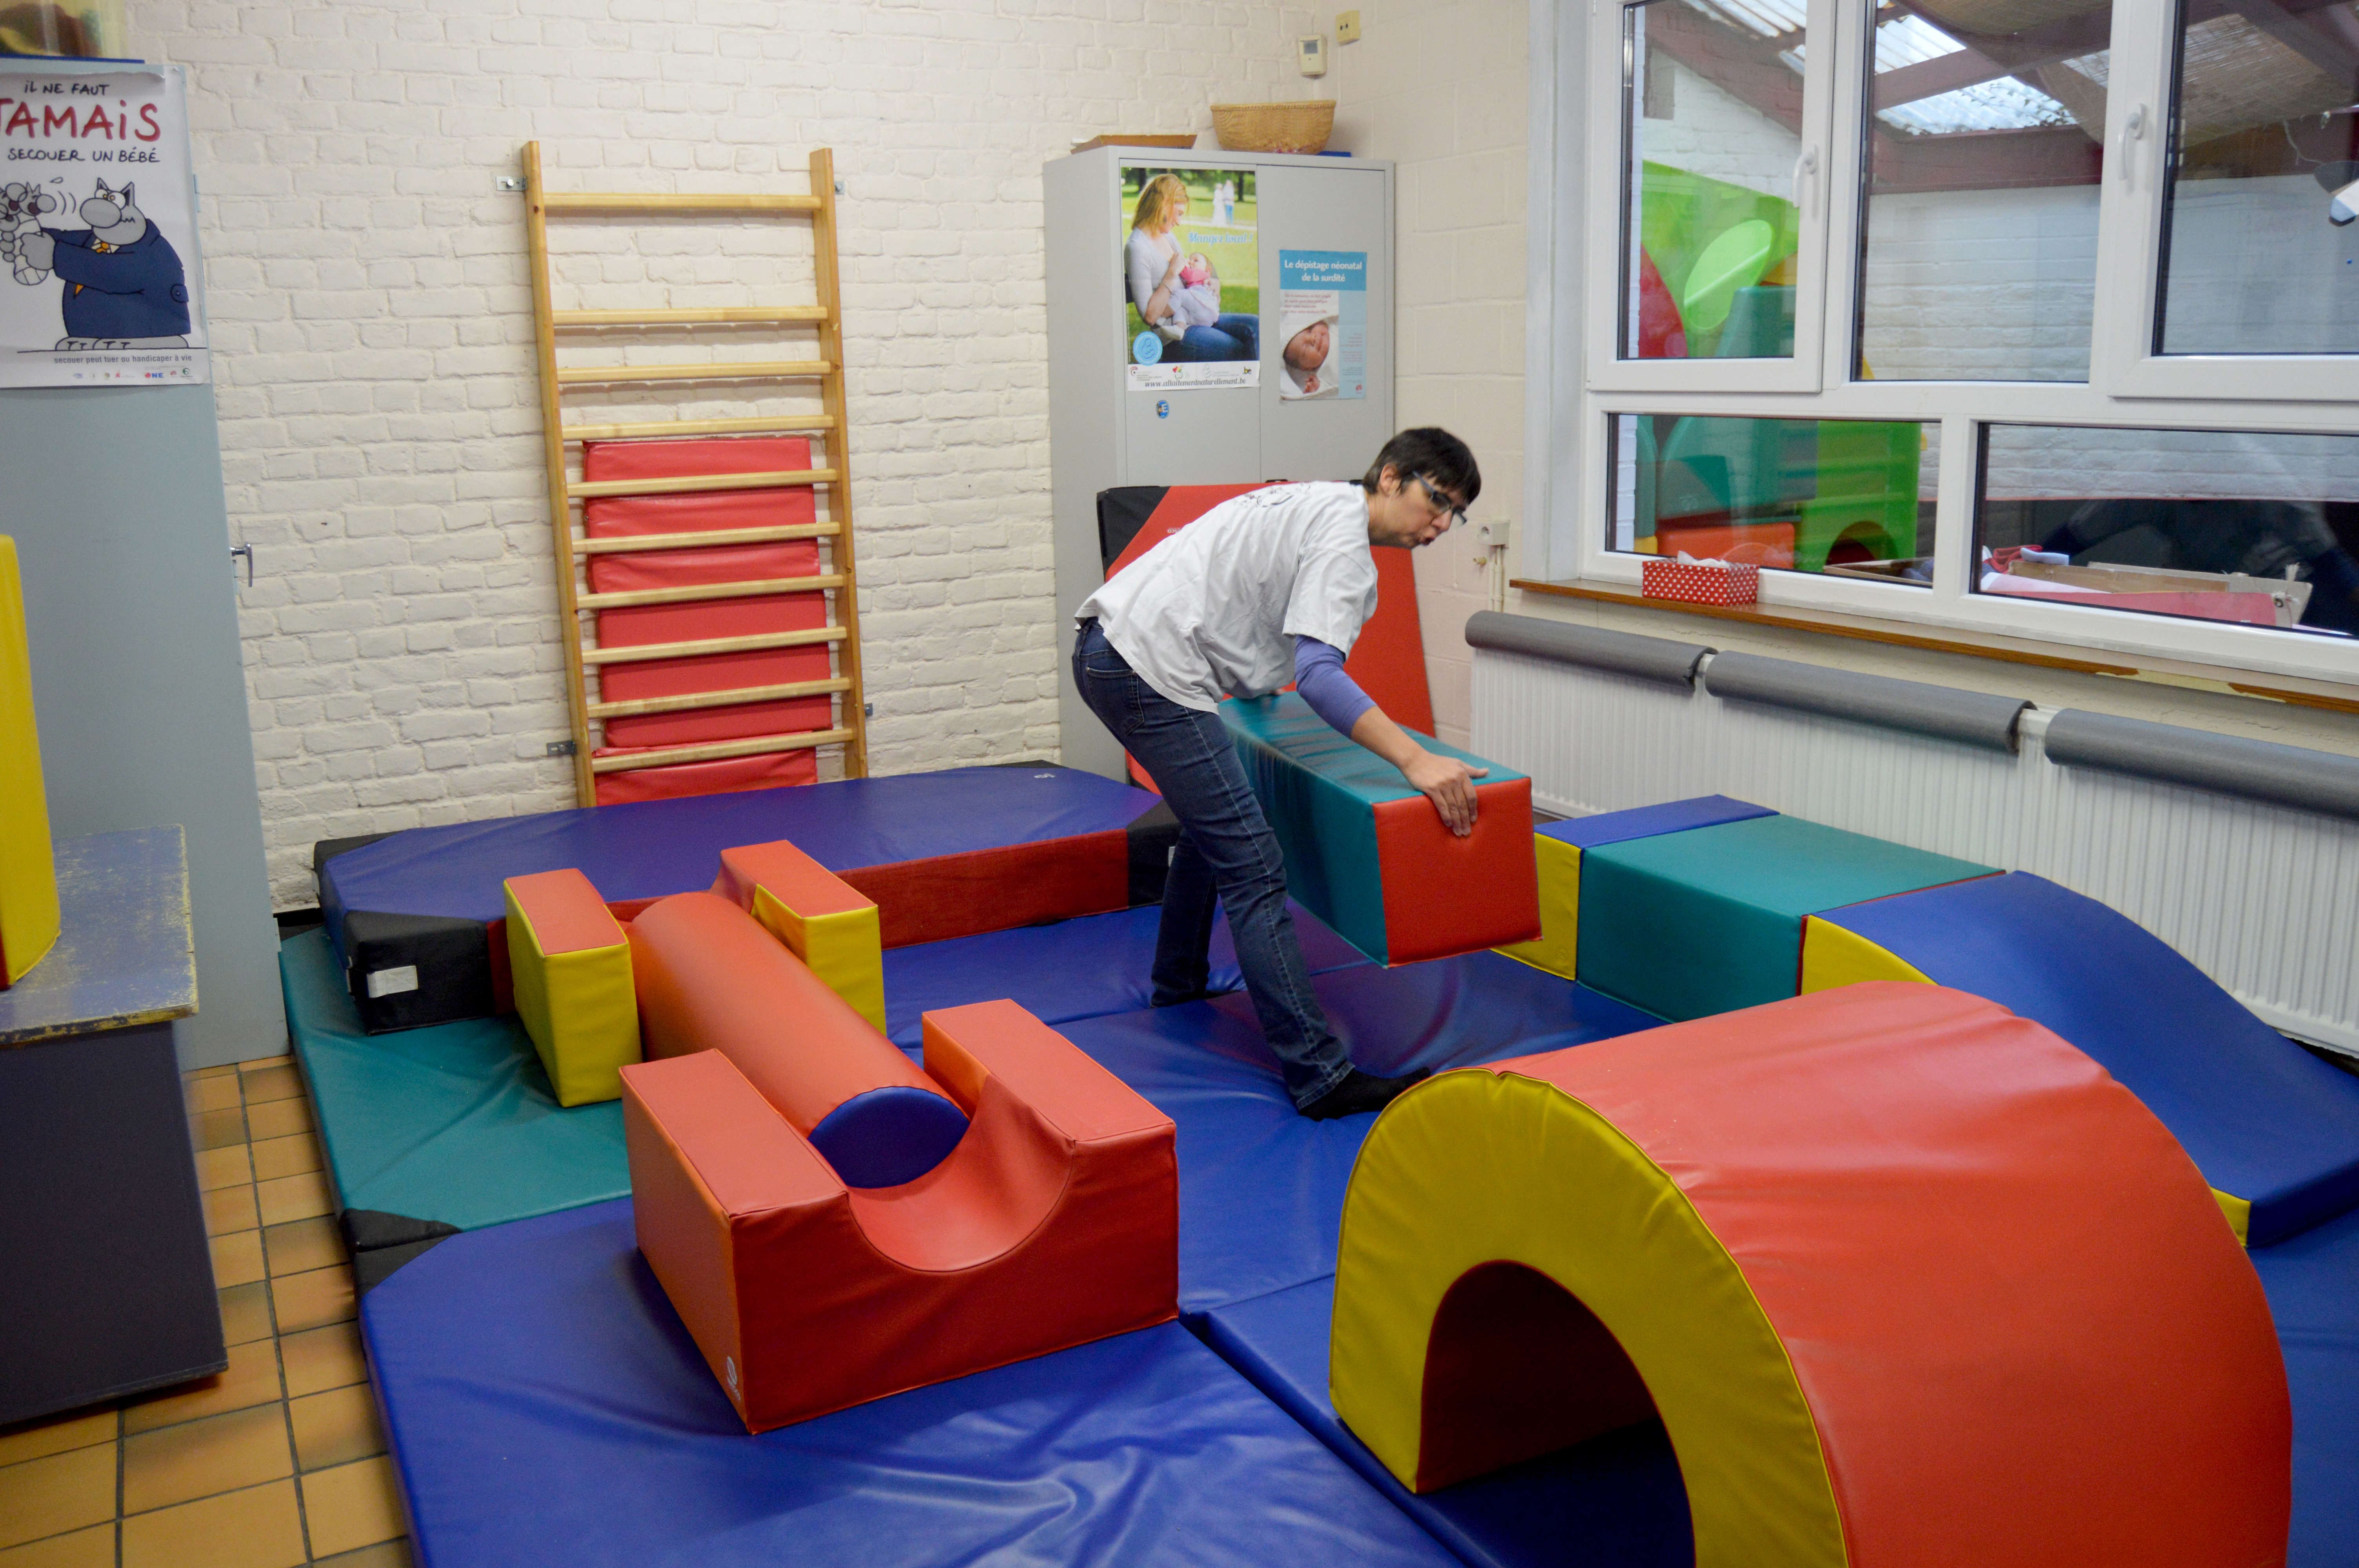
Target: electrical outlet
pixel 510 182
pixel 1347 27
pixel 559 749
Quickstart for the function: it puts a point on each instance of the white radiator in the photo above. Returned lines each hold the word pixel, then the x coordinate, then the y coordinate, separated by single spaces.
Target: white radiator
pixel 2263 899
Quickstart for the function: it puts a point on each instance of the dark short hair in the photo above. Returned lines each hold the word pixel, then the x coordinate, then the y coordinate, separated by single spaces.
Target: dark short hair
pixel 1433 452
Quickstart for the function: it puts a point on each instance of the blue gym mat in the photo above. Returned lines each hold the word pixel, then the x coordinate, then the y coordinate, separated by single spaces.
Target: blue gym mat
pixel 544 1405
pixel 1261 1189
pixel 1615 1501
pixel 2313 1285
pixel 2261 1118
pixel 1075 968
pixel 653 848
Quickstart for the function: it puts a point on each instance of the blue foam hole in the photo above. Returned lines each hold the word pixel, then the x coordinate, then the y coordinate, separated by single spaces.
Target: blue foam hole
pixel 886 1137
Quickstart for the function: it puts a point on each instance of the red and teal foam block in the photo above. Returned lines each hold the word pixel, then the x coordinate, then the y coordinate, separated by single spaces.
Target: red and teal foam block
pixel 1370 856
pixel 1707 921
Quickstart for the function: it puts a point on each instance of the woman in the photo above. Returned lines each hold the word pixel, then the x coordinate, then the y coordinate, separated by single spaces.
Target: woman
pixel 1152 259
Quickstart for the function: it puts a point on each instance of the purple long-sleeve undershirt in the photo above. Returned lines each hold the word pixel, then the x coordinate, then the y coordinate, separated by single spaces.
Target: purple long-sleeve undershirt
pixel 1320 678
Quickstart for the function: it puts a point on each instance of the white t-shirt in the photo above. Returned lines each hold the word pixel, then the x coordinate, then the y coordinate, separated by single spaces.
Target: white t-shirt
pixel 1215 608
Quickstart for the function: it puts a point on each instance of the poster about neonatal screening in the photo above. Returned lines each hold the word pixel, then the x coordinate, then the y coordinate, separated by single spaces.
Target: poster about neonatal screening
pixel 98 238
pixel 1322 304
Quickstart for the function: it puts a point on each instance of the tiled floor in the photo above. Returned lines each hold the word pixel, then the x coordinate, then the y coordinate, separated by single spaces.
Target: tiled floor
pixel 277 1462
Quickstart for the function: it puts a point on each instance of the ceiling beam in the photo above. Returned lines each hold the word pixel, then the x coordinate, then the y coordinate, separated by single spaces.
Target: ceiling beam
pixel 1738 63
pixel 1987 160
pixel 2331 55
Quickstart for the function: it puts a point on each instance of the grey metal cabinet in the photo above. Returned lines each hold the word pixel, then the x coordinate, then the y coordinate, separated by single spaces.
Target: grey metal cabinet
pixel 1104 432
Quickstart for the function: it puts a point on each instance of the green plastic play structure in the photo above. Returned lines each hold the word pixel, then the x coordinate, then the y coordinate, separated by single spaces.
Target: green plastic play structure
pixel 1846 488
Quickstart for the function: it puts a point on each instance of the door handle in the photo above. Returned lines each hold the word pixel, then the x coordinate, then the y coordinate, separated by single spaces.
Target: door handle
pixel 1807 165
pixel 235 551
pixel 2133 132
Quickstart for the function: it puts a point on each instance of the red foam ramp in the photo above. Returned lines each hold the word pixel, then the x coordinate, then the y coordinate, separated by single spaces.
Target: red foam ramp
pixel 1388 660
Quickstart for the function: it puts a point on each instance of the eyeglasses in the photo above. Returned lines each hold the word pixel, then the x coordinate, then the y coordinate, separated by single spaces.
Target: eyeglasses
pixel 1438 503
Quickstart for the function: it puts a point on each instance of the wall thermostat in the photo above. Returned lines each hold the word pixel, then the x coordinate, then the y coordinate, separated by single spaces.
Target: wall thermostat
pixel 1313 51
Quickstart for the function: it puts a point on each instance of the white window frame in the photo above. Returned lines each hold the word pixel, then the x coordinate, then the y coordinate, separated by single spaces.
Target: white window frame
pixel 1611 106
pixel 1578 383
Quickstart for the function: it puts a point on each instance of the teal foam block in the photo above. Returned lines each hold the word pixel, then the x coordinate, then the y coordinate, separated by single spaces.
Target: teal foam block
pixel 1690 924
pixel 453 1122
pixel 1319 791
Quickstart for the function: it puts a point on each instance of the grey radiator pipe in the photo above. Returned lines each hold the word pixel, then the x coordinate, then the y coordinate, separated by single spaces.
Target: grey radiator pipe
pixel 1592 647
pixel 2225 764
pixel 1969 718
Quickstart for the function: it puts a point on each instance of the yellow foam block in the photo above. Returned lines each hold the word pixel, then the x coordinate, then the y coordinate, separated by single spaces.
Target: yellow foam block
pixel 1559 938
pixel 29 874
pixel 1833 956
pixel 570 963
pixel 832 928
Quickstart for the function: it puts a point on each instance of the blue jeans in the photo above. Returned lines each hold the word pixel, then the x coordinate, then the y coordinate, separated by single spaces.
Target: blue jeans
pixel 1230 337
pixel 1225 849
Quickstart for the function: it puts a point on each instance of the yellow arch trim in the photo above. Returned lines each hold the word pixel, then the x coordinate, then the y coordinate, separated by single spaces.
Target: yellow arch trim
pixel 1833 956
pixel 1475 1167
pixel 1559 939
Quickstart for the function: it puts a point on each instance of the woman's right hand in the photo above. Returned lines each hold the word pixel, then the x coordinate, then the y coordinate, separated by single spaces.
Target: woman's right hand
pixel 1171 271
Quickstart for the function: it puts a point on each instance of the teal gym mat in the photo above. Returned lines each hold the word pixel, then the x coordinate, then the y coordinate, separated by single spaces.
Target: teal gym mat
pixel 453 1122
pixel 1690 925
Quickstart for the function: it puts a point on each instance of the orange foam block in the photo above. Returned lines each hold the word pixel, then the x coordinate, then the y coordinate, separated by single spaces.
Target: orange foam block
pixel 1054 1222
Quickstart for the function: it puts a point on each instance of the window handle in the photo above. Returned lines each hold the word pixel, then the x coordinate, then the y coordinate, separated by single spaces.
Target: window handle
pixel 2133 131
pixel 1807 165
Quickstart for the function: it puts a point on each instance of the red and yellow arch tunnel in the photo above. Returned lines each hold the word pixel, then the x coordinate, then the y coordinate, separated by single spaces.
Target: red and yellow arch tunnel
pixel 1908 1279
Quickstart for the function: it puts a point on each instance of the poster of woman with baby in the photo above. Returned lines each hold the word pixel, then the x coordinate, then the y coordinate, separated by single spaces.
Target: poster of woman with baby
pixel 1192 277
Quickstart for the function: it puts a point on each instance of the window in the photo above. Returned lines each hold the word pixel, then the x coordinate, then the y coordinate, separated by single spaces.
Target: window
pixel 2030 315
pixel 1849 496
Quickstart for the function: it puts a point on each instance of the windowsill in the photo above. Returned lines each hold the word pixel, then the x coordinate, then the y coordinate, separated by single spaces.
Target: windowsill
pixel 2337 695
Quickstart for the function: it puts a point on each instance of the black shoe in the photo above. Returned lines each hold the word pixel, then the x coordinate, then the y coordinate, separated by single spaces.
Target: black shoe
pixel 1359 1092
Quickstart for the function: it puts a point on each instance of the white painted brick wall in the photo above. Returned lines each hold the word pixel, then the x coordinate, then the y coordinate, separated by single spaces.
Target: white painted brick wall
pixel 1439 86
pixel 371 317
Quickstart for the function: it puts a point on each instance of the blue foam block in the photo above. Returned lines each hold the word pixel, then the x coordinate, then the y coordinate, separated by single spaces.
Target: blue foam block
pixel 1616 1500
pixel 1650 821
pixel 2313 1285
pixel 1261 1189
pixel 2262 1117
pixel 654 847
pixel 543 1404
pixel 1075 968
pixel 452 1122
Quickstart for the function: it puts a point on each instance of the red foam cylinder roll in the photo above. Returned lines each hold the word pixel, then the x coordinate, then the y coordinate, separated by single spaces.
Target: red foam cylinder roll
pixel 711 979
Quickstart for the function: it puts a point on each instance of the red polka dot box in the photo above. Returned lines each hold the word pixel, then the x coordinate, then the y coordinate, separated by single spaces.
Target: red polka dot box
pixel 1700 582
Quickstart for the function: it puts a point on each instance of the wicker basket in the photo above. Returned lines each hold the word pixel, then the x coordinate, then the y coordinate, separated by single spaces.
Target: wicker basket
pixel 1301 127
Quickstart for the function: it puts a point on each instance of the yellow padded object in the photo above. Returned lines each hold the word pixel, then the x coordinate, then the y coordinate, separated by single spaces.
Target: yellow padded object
pixel 29 874
pixel 573 989
pixel 1558 941
pixel 1423 1209
pixel 844 949
pixel 1833 956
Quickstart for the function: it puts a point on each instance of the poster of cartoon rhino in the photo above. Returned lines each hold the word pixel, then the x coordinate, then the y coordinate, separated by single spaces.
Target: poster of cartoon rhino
pixel 98 275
